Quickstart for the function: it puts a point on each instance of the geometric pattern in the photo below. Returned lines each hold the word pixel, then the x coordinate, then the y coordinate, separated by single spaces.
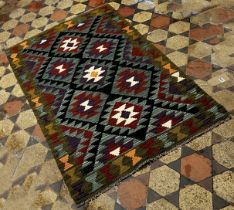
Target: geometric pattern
pixel 103 113
pixel 94 75
pixel 101 48
pixel 126 116
pixel 132 82
pixel 84 106
pixel 60 69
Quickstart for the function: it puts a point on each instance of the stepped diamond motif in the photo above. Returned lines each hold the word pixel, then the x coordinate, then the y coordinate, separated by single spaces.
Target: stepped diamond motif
pixel 106 99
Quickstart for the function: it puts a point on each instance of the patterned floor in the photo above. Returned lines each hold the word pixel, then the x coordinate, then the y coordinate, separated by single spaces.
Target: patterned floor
pixel 198 37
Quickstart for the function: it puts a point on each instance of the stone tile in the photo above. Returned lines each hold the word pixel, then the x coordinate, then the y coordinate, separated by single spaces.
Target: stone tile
pixel 17 141
pixel 46 10
pixel 64 4
pixel 99 204
pixel 58 15
pixel 45 198
pixel 142 171
pixel 224 185
pixel 78 8
pixel 26 119
pixel 4 96
pixel 195 197
pixel 23 3
pixel 126 11
pixel 132 194
pixel 160 21
pixel 147 5
pixel 223 153
pixel 200 142
pixel 142 28
pixel 3 58
pixel 39 22
pixel 196 167
pixel 200 50
pixel 199 69
pixel 38 152
pixel 162 8
pixel 164 180
pixel 157 35
pixel 174 58
pixel 218 15
pixel 49 172
pixel 34 6
pixel 7 80
pixel 2 70
pixel 28 17
pixel 177 42
pixel 225 129
pixel 220 78
pixel 32 33
pixel 221 15
pixel 179 27
pixel 95 3
pixel 8 25
pixel 142 17
pixel 161 204
pixel 17 91
pixel 6 126
pixel 16 13
pixel 13 41
pixel 129 2
pixel 206 32
pixel 223 51
pixel 4 36
pixel 226 98
pixel 37 133
pixel 115 5
pixel 21 29
pixel 171 156
pixel 13 107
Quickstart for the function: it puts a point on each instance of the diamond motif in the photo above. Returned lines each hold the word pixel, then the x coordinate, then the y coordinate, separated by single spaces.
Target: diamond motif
pixel 85 106
pixel 68 44
pixel 126 116
pixel 132 82
pixel 104 105
pixel 94 75
pixel 59 69
pixel 101 48
pixel 164 119
pixel 112 146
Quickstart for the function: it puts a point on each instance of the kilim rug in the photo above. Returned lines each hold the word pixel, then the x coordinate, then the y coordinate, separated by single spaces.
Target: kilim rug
pixel 107 100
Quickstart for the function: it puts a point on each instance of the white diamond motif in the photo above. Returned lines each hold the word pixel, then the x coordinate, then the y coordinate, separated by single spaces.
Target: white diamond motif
pixel 66 44
pixel 86 105
pixel 132 81
pixel 94 74
pixel 127 120
pixel 60 68
pixel 101 48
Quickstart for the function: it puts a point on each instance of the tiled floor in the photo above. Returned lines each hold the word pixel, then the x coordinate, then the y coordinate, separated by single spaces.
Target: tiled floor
pixel 198 36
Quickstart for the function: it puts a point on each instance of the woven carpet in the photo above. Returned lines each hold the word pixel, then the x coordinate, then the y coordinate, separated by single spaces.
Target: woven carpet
pixel 107 100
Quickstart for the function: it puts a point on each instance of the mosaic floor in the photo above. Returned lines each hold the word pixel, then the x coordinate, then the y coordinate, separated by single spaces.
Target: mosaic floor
pixel 198 36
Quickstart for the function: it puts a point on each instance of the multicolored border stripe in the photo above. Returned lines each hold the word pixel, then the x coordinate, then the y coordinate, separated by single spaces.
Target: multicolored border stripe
pixel 84 186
